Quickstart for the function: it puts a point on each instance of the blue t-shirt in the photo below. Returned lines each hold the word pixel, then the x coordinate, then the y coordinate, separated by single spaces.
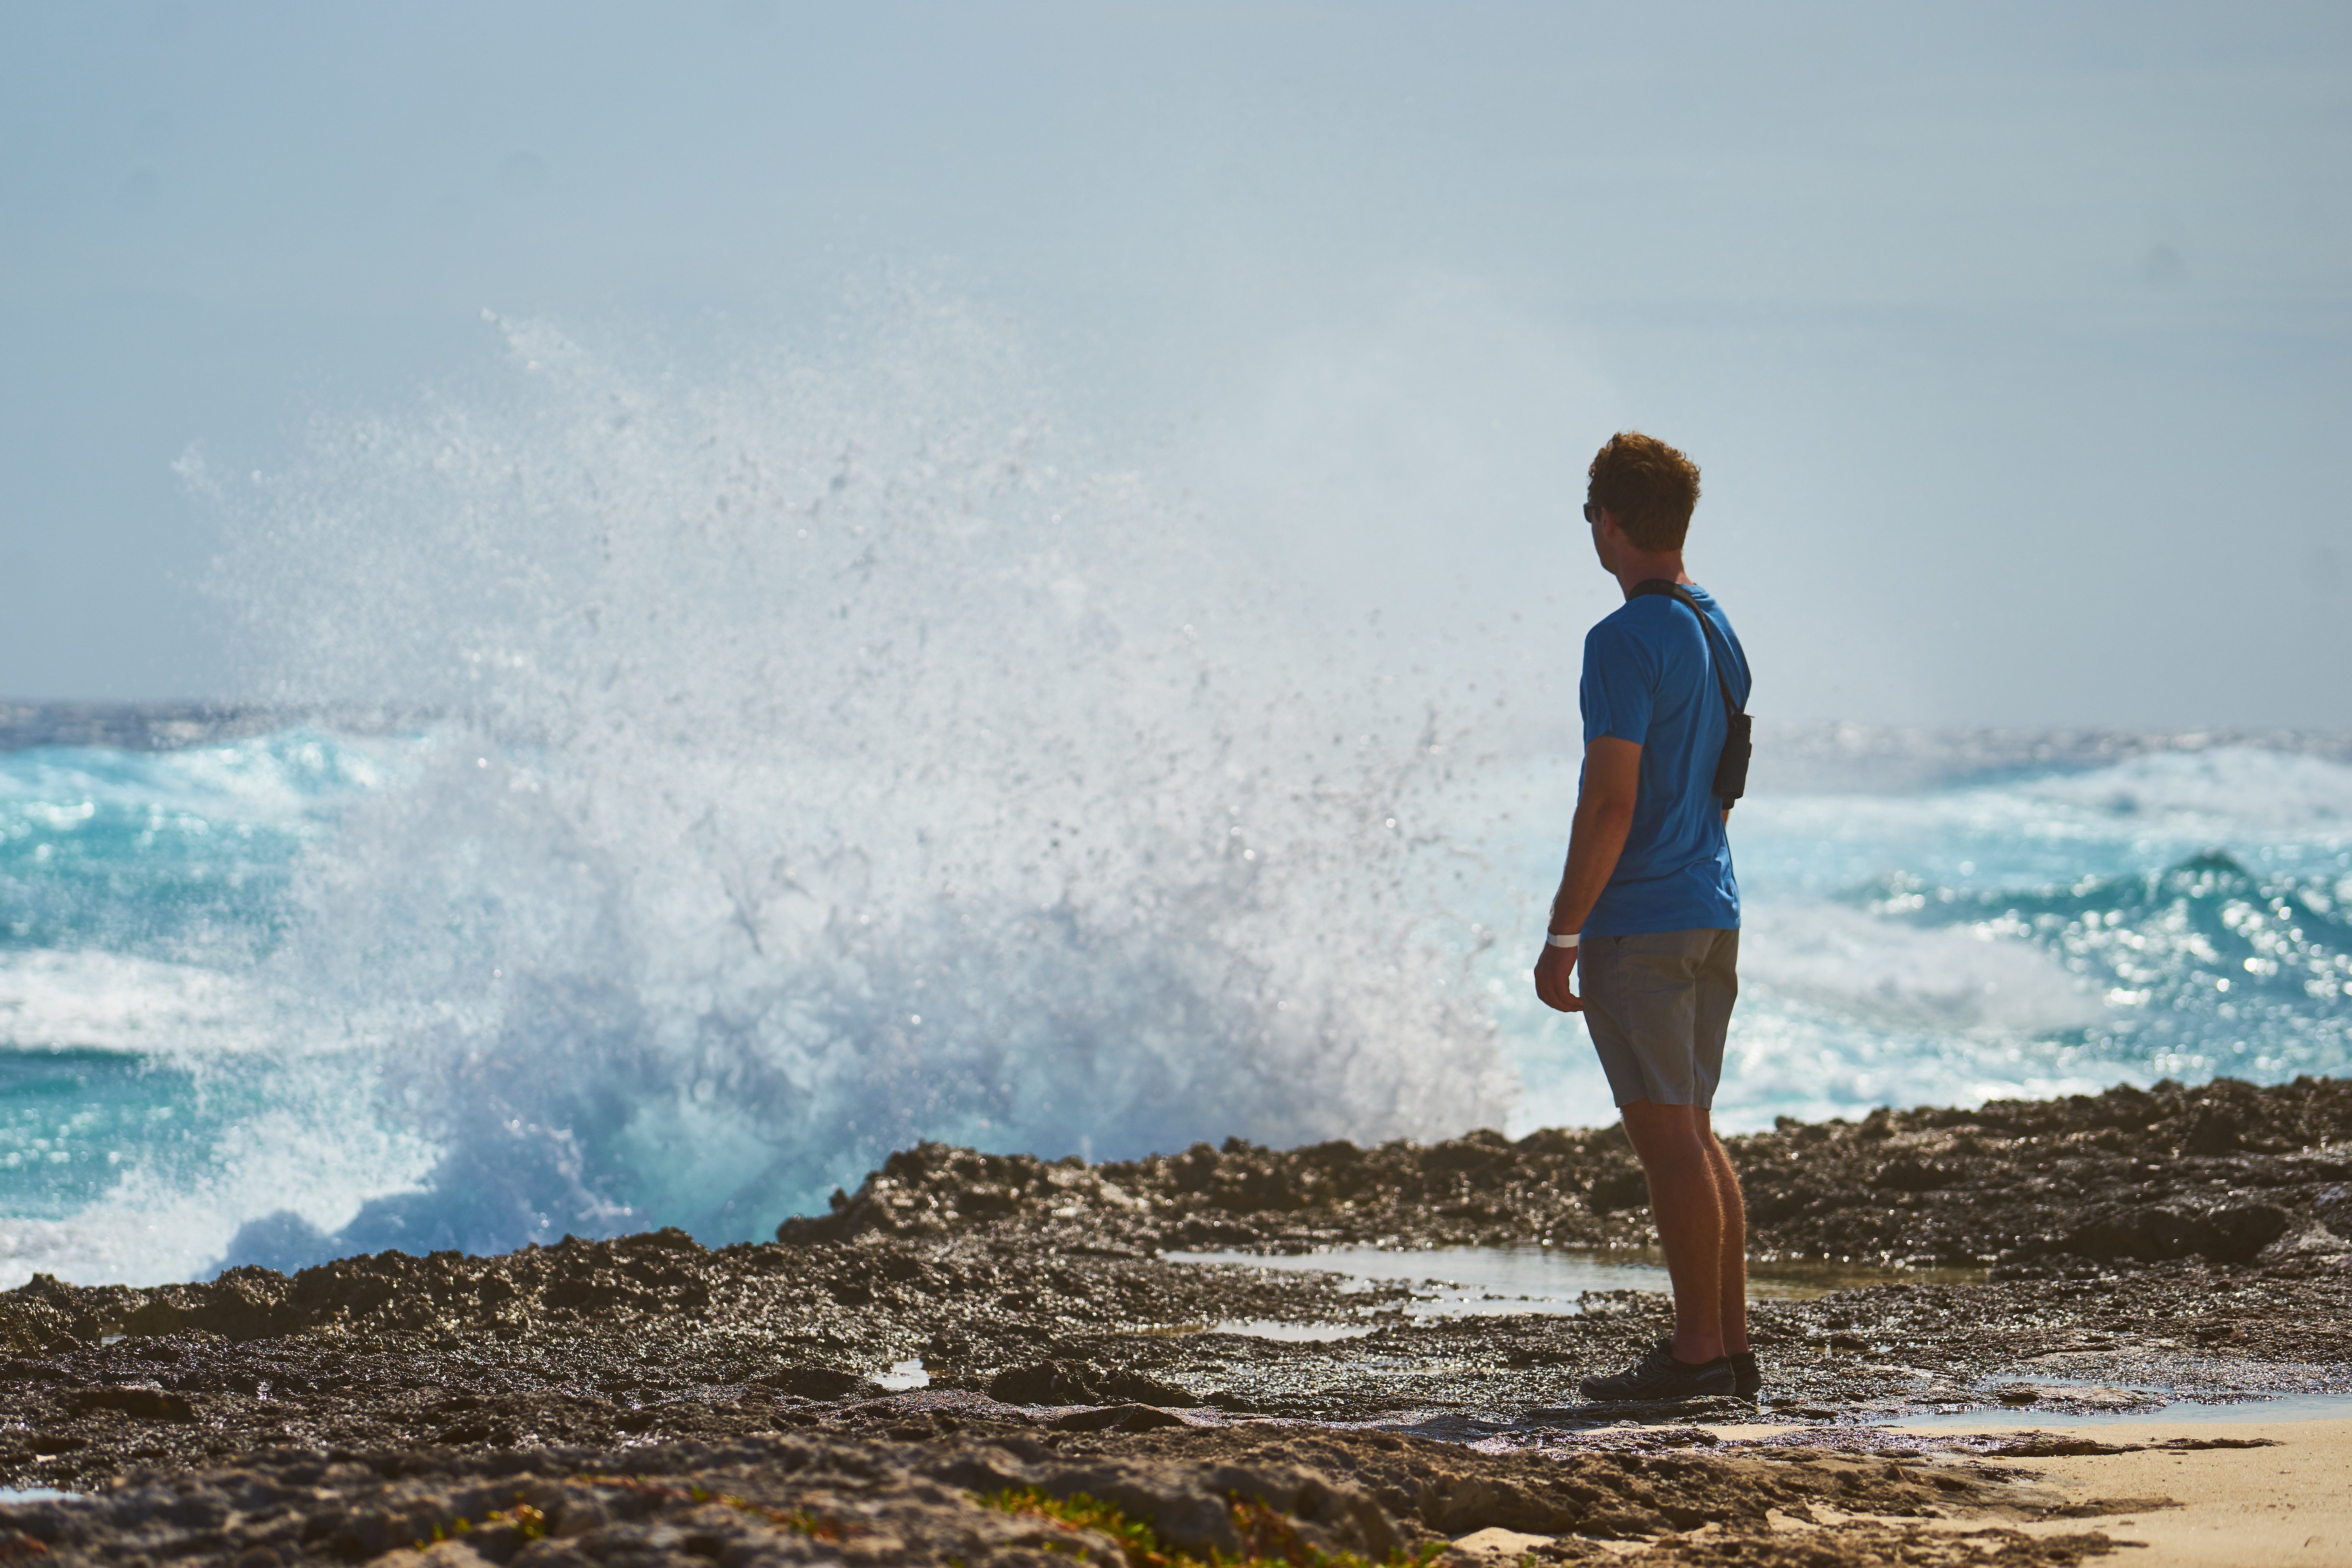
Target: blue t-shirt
pixel 1648 680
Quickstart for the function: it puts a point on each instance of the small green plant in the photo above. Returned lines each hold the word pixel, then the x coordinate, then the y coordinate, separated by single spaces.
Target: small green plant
pixel 1136 1539
pixel 530 1521
pixel 1269 1538
pixel 815 1526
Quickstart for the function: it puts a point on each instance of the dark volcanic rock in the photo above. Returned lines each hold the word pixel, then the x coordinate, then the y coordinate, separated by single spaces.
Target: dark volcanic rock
pixel 2219 1172
pixel 1047 1382
pixel 1276 1495
pixel 2231 1234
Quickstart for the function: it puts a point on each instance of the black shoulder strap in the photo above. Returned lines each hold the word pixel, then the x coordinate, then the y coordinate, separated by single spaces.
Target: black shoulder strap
pixel 1659 586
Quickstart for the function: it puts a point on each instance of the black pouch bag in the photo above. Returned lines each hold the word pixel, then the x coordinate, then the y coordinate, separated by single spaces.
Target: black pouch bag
pixel 1731 767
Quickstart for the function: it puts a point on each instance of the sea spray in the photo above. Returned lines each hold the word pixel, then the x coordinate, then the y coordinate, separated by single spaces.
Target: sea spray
pixel 824 762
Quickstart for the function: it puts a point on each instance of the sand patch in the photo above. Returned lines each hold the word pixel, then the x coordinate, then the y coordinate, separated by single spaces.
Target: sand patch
pixel 2286 1503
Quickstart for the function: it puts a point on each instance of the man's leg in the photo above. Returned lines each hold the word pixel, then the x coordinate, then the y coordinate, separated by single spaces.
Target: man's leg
pixel 1678 1153
pixel 1732 1270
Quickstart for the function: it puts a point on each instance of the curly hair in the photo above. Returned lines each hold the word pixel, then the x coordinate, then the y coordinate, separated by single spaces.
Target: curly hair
pixel 1651 487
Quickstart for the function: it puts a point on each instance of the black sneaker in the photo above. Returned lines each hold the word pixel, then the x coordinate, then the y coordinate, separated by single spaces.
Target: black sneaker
pixel 1747 1377
pixel 1658 1377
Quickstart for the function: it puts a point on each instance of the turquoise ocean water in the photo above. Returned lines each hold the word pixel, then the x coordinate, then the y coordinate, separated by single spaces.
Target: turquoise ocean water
pixel 204 1057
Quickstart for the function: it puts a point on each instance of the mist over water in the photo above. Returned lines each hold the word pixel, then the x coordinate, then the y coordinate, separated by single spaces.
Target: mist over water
pixel 695 784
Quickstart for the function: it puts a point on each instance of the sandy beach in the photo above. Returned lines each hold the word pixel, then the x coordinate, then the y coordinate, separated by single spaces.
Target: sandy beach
pixel 2235 1492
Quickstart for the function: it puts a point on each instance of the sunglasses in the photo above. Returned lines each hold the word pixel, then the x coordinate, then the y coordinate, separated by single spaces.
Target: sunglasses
pixel 1593 512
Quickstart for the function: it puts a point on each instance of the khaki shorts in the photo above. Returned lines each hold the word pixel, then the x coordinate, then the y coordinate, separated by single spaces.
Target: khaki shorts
pixel 1658 1006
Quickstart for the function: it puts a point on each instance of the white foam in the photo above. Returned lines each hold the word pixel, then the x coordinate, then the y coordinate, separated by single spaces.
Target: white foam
pixel 2226 792
pixel 1949 981
pixel 1788 1058
pixel 93 1000
pixel 315 1149
pixel 278 780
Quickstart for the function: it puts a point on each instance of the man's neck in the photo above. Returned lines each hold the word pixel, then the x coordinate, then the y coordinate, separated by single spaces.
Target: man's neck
pixel 1632 568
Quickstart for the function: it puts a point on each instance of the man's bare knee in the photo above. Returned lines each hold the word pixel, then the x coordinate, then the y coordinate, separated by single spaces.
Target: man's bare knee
pixel 1668 1134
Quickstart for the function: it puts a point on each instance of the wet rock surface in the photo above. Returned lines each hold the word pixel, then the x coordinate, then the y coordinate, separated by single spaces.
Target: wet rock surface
pixel 2137 1246
pixel 925 1479
pixel 2221 1171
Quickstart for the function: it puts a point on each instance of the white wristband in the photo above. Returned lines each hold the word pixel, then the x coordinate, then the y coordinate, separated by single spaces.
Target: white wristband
pixel 1556 940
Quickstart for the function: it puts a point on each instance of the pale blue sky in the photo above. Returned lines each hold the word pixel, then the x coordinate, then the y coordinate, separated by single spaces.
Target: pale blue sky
pixel 2012 338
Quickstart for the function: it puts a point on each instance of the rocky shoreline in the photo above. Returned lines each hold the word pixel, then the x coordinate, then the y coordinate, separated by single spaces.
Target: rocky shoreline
pixel 2128 1248
pixel 2027 1188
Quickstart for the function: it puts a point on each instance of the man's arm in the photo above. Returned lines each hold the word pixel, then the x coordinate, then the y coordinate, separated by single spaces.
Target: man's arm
pixel 1604 812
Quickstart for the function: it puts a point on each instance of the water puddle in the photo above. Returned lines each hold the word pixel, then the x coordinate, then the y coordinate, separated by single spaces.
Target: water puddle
pixel 904 1375
pixel 15 1497
pixel 2243 1408
pixel 1497 1281
pixel 1460 1281
pixel 1291 1334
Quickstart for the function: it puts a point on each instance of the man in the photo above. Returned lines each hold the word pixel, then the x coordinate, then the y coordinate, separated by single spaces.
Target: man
pixel 1649 912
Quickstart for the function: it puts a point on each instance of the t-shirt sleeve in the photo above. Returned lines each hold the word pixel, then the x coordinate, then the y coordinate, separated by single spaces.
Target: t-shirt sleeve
pixel 1620 685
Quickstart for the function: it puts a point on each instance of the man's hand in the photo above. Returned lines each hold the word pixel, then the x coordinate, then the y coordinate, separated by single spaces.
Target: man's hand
pixel 1604 812
pixel 1555 978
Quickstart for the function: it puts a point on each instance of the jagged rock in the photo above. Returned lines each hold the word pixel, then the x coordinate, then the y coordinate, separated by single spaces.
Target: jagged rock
pixel 1280 1496
pixel 2119 1244
pixel 820 1382
pixel 1041 1383
pixel 1050 1383
pixel 148 1403
pixel 2010 1180
pixel 2232 1235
